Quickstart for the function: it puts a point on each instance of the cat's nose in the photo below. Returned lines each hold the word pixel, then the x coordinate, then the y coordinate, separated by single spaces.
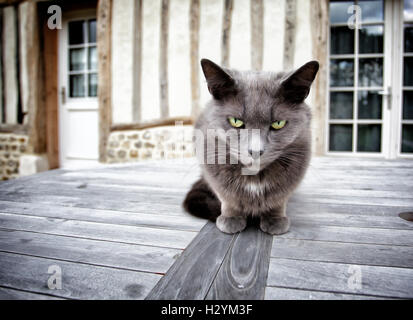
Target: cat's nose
pixel 255 154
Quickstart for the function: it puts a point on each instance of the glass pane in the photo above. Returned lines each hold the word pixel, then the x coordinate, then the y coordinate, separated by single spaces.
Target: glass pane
pixel 93 85
pixel 77 60
pixel 408 105
pixel 371 39
pixel 77 85
pixel 408 38
pixel 371 10
pixel 369 104
pixel 341 105
pixel 92 59
pixel 341 72
pixel 341 136
pixel 76 32
pixel 369 138
pixel 408 10
pixel 342 40
pixel 371 72
pixel 407 138
pixel 338 11
pixel 408 71
pixel 92 31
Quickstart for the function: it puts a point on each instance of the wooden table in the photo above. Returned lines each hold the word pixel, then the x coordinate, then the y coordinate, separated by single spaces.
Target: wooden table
pixel 119 232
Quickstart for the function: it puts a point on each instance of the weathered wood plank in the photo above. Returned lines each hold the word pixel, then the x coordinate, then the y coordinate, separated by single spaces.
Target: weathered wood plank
pixel 104 45
pixel 177 221
pixel 93 203
pixel 193 273
pixel 13 294
pixel 243 274
pixel 79 281
pixel 335 277
pixel 343 252
pixel 101 253
pixel 274 293
pixel 352 220
pixel 99 231
pixel 305 231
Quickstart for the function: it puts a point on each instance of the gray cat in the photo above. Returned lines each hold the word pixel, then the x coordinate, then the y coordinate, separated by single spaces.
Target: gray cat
pixel 274 104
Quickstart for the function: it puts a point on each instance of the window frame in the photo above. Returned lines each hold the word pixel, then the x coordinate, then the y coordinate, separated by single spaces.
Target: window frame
pixel 398 121
pixel 355 89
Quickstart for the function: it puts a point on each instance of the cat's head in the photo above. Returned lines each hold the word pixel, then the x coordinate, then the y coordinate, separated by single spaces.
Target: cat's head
pixel 270 102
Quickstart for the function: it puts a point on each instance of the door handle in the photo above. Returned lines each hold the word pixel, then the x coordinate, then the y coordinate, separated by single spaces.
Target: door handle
pixel 386 93
pixel 63 95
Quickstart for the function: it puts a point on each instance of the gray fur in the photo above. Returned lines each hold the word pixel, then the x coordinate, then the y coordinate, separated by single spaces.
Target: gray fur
pixel 259 98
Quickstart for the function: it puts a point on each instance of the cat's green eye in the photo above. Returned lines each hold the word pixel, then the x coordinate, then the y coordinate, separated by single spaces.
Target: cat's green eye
pixel 236 123
pixel 279 124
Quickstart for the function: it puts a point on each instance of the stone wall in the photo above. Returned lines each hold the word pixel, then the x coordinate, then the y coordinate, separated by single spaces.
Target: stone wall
pixel 12 146
pixel 168 142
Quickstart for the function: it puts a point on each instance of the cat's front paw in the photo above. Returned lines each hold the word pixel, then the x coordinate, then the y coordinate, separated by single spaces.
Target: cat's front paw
pixel 231 224
pixel 275 225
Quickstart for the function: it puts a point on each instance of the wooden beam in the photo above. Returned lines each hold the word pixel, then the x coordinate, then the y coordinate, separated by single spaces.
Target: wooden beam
pixel 2 109
pixel 257 34
pixel 243 274
pixel 104 17
pixel 9 55
pixel 13 128
pixel 193 273
pixel 319 14
pixel 137 61
pixel 50 63
pixel 226 32
pixel 194 25
pixel 33 90
pixel 163 59
pixel 289 33
pixel 152 124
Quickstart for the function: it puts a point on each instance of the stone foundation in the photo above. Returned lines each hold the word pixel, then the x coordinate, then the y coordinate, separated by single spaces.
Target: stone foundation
pixel 168 142
pixel 12 146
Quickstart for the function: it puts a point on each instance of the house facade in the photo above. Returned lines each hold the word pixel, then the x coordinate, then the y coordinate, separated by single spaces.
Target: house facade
pixel 110 81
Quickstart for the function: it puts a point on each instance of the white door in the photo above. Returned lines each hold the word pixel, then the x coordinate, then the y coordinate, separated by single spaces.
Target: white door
pixel 78 113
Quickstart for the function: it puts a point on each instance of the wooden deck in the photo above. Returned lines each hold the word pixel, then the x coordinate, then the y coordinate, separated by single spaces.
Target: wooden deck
pixel 118 232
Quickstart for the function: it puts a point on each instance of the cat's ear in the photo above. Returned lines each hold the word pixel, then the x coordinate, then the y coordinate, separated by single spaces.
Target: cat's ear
pixel 296 87
pixel 220 83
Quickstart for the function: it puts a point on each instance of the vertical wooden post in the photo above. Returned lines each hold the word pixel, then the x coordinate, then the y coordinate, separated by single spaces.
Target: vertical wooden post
pixel 257 34
pixel 319 30
pixel 104 17
pixel 194 14
pixel 163 59
pixel 137 61
pixel 226 32
pixel 50 61
pixel 9 45
pixel 2 109
pixel 32 88
pixel 289 33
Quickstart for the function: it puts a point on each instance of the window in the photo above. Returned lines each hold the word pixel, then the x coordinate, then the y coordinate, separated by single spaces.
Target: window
pixel 82 59
pixel 355 121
